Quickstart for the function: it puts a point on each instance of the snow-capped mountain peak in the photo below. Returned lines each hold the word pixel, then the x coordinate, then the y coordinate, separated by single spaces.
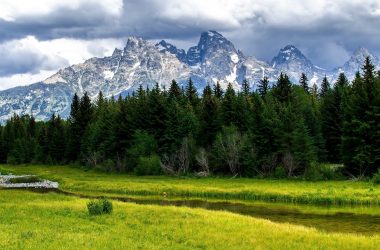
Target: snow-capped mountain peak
pixel 287 54
pixel 293 62
pixel 213 59
pixel 164 46
pixel 357 58
pixel 355 63
pixel 135 42
pixel 117 53
pixel 361 51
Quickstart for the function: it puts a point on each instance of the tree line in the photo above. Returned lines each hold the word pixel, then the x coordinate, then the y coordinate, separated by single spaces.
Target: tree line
pixel 283 129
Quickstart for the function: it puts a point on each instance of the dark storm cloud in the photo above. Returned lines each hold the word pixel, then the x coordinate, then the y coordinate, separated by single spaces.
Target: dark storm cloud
pixel 62 22
pixel 144 18
pixel 327 31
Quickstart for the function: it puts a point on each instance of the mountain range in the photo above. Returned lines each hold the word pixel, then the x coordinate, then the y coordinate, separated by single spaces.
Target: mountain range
pixel 141 62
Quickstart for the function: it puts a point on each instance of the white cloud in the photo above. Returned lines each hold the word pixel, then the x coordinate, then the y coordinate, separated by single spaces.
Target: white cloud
pixel 23 56
pixel 24 79
pixel 29 60
pixel 232 14
pixel 76 50
pixel 12 9
pixel 52 34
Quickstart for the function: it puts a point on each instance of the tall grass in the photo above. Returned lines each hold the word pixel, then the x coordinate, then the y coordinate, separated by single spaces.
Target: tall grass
pixel 53 221
pixel 285 191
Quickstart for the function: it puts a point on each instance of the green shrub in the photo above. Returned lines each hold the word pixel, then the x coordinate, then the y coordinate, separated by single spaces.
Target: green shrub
pixel 107 206
pixel 12 160
pixel 331 172
pixel 376 178
pixel 95 207
pixel 142 145
pixel 314 172
pixel 280 172
pixel 98 207
pixel 317 172
pixel 3 172
pixel 108 165
pixel 148 165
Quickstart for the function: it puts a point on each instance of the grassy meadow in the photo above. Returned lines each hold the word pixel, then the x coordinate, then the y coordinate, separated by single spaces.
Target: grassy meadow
pixel 55 221
pixel 289 191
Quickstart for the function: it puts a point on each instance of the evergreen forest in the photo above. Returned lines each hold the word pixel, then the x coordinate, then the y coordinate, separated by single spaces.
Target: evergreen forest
pixel 282 129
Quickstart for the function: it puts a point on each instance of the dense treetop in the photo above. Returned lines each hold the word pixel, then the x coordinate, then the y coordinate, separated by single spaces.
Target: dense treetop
pixel 281 129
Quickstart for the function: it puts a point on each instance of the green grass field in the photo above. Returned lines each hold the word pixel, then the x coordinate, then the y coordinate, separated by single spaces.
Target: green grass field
pixel 52 221
pixel 291 191
pixel 55 221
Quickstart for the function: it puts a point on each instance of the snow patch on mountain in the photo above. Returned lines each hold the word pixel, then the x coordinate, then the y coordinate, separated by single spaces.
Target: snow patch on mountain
pixel 141 62
pixel 54 79
pixel 108 74
pixel 234 58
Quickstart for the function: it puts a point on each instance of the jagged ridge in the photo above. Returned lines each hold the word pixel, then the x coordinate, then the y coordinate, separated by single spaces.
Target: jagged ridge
pixel 213 59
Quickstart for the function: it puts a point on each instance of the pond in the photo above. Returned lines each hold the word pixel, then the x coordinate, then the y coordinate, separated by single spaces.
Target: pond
pixel 324 218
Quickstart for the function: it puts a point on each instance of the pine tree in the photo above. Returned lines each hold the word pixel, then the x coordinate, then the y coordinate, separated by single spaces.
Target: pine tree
pixel 100 100
pixel 314 93
pixel 263 136
pixel 302 147
pixel 209 118
pixel 218 92
pixel 191 93
pixel 228 106
pixel 304 83
pixel 243 110
pixel 75 136
pixel 74 111
pixel 263 86
pixel 85 112
pixel 245 88
pixel 175 91
pixel 56 135
pixel 31 128
pixel 282 90
pixel 332 118
pixel 156 115
pixel 325 87
pixel 360 142
pixel 121 128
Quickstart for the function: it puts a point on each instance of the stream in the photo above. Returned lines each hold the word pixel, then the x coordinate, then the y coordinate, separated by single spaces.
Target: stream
pixel 320 218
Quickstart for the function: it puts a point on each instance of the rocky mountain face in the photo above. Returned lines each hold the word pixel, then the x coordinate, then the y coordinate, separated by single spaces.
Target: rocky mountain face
pixel 293 62
pixel 39 99
pixel 355 63
pixel 140 62
pixel 213 59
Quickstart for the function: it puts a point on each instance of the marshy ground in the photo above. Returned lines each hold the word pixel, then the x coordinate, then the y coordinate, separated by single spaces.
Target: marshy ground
pixel 182 213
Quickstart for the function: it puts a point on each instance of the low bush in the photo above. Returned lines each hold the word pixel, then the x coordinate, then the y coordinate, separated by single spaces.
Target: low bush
pixel 95 207
pixel 107 206
pixel 323 172
pixel 108 165
pixel 98 207
pixel 279 172
pixel 148 165
pixel 331 172
pixel 3 172
pixel 376 178
pixel 314 172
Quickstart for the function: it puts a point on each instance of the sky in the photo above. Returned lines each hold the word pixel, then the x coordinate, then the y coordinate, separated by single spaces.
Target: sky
pixel 39 37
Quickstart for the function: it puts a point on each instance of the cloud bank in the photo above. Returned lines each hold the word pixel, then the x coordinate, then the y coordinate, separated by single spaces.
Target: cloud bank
pixel 327 31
